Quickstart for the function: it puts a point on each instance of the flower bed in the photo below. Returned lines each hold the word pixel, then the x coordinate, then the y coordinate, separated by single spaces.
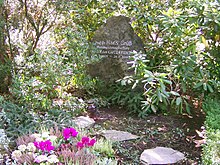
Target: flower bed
pixel 56 147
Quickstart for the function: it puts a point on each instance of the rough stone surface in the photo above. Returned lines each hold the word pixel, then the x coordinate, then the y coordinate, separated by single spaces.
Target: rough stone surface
pixel 84 121
pixel 3 144
pixel 161 155
pixel 115 135
pixel 115 41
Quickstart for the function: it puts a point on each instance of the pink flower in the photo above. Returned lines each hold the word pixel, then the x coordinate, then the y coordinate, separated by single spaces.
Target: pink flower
pixel 85 142
pixel 44 145
pixel 68 132
pixel 79 145
pixel 92 142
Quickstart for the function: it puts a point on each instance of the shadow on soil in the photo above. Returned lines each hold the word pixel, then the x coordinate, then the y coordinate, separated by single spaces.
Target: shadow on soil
pixel 175 131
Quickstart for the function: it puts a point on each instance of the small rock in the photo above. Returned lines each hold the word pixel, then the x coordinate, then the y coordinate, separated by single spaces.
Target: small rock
pixel 3 144
pixel 84 121
pixel 115 135
pixel 161 155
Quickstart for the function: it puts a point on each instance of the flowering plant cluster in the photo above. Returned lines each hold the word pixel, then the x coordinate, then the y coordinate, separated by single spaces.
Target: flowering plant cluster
pixel 47 148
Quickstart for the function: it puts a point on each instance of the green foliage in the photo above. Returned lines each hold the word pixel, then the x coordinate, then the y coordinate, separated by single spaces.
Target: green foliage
pixel 104 147
pixel 19 120
pixel 211 149
pixel 212 108
pixel 125 96
pixel 42 82
pixel 180 52
pixel 16 120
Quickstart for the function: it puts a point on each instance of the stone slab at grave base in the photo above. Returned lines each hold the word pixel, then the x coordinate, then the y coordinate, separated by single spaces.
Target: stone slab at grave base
pixel 84 121
pixel 114 135
pixel 161 155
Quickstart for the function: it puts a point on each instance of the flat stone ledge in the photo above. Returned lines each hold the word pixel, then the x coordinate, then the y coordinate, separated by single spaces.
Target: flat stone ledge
pixel 161 155
pixel 84 121
pixel 114 135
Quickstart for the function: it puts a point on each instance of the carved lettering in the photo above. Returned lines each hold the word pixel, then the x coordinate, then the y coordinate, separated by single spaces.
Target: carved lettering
pixel 118 48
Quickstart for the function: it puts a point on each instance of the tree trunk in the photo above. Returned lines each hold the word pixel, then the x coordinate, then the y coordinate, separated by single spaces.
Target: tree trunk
pixel 5 61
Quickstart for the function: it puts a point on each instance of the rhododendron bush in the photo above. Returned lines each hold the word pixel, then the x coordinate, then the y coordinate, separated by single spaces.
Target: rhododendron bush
pixel 55 147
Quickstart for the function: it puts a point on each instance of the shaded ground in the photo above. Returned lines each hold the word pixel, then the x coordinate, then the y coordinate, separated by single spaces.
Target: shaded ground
pixel 175 131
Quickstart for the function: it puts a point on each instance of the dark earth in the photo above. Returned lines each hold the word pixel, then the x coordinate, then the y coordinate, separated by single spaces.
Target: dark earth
pixel 174 131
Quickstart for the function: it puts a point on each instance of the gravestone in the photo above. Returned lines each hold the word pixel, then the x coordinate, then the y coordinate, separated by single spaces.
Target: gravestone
pixel 115 41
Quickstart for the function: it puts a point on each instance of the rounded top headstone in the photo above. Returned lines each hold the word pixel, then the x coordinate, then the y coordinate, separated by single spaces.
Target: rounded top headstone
pixel 115 41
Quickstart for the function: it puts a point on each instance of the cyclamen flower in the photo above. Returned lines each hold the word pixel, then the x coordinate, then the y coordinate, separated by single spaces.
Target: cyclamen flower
pixel 85 142
pixel 79 145
pixel 68 132
pixel 44 145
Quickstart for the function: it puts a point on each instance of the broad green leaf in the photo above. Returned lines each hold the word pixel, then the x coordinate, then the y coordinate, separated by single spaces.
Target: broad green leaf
pixel 210 88
pixel 205 86
pixel 198 85
pixel 178 101
pixel 159 95
pixel 187 107
pixel 174 93
pixel 163 87
pixel 167 81
pixel 148 73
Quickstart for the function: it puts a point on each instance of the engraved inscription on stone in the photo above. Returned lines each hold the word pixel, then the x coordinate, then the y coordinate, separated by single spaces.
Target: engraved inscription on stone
pixel 114 48
pixel 117 39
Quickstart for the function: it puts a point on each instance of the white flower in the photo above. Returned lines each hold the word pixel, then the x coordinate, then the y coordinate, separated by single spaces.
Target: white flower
pixel 200 46
pixel 40 158
pixel 22 147
pixel 16 154
pixel 45 135
pixel 36 135
pixel 31 147
pixel 52 138
pixel 39 139
pixel 53 159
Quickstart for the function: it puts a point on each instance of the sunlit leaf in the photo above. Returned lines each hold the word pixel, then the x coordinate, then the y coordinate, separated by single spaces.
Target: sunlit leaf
pixel 174 93
pixel 178 101
pixel 154 109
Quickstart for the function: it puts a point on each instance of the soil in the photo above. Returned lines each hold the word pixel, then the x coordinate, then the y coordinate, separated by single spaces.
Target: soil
pixel 174 131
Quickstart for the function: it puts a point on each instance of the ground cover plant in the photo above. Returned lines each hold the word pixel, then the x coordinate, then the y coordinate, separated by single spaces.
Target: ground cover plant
pixel 46 45
pixel 211 147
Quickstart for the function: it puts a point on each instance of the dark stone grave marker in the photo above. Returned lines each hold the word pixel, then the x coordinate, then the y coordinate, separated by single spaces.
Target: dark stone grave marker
pixel 115 41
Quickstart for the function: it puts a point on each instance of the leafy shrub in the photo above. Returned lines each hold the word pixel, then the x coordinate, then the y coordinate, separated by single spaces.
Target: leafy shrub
pixel 125 96
pixel 180 52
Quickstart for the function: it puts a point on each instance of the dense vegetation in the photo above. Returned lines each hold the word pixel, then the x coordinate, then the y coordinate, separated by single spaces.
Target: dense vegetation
pixel 45 47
